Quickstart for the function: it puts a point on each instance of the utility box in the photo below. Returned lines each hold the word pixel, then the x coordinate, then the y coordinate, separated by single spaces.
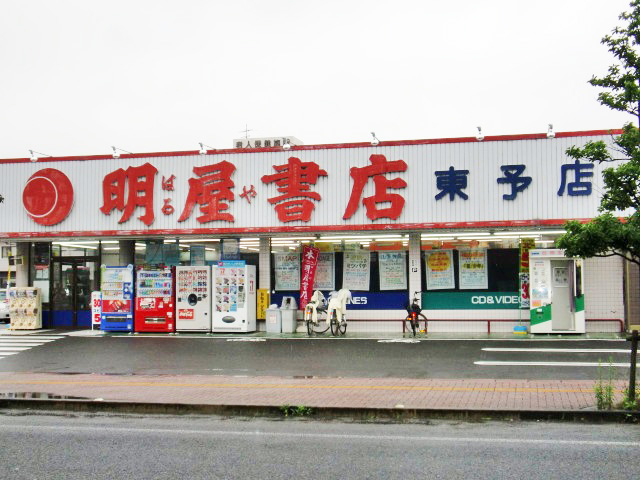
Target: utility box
pixel 289 321
pixel 274 320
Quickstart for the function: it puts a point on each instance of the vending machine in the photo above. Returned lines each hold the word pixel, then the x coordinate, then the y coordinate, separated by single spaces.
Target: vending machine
pixel 116 285
pixel 154 301
pixel 557 299
pixel 193 299
pixel 25 308
pixel 234 297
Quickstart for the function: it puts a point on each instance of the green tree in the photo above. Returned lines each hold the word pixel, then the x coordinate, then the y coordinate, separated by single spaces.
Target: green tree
pixel 616 231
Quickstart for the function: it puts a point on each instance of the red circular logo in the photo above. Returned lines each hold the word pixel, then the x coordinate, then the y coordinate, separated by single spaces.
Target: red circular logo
pixel 48 196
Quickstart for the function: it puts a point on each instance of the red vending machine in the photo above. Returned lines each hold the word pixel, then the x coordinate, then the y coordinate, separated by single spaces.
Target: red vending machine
pixel 155 311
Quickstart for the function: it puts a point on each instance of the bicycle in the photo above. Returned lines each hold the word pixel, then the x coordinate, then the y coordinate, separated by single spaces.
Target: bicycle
pixel 319 304
pixel 338 300
pixel 415 317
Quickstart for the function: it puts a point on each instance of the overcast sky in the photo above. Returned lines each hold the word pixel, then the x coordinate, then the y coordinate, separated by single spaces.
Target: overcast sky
pixel 152 75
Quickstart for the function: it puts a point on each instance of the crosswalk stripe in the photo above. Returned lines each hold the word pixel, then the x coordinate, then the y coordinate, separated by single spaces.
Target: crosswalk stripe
pixel 12 345
pixel 558 350
pixel 549 364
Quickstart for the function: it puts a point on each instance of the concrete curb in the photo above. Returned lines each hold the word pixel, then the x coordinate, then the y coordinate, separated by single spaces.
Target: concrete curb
pixel 388 415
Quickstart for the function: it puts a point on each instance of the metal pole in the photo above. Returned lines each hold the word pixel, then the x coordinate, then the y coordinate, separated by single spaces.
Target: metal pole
pixel 632 370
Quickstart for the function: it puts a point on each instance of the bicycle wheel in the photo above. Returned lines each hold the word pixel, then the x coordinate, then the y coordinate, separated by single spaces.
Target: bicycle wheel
pixel 422 320
pixel 309 327
pixel 410 325
pixel 335 327
pixel 342 328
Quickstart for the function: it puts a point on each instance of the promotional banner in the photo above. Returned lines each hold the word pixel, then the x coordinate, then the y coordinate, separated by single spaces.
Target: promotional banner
pixel 325 272
pixel 355 271
pixel 472 269
pixel 439 267
pixel 393 270
pixel 287 271
pixel 526 244
pixel 524 291
pixel 309 265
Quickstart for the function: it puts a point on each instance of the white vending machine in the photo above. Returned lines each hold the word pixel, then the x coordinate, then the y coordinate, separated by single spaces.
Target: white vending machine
pixel 193 299
pixel 25 308
pixel 234 297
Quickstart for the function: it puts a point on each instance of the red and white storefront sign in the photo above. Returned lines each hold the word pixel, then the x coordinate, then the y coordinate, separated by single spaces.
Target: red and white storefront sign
pixel 447 183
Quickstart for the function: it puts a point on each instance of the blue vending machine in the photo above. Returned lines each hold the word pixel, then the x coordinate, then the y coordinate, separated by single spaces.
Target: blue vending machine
pixel 116 285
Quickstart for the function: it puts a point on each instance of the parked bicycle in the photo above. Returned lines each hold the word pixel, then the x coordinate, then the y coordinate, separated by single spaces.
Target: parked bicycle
pixel 415 320
pixel 313 311
pixel 337 311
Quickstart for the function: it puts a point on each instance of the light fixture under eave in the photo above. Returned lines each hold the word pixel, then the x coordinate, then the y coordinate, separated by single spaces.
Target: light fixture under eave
pixel 479 136
pixel 550 132
pixel 203 151
pixel 375 140
pixel 116 154
pixel 34 155
pixel 286 145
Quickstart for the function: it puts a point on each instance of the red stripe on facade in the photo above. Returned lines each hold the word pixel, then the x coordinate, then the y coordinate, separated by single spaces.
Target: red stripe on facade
pixel 230 151
pixel 379 228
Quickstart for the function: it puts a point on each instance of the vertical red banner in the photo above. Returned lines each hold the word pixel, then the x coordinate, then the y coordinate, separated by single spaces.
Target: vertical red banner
pixel 309 265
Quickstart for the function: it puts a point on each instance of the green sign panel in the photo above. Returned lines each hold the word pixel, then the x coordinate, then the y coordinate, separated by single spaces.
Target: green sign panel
pixel 470 300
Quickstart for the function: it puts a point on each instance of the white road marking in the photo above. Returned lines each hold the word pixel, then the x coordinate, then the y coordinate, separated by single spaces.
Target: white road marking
pixel 549 364
pixel 400 340
pixel 246 339
pixel 558 350
pixel 330 436
pixel 11 345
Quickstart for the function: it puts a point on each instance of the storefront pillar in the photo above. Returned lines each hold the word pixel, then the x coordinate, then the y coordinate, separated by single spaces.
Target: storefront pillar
pixel 21 268
pixel 415 266
pixel 127 254
pixel 264 282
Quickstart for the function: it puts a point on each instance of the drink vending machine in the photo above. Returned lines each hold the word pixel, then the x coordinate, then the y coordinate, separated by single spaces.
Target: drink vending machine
pixel 116 285
pixel 193 299
pixel 234 297
pixel 154 301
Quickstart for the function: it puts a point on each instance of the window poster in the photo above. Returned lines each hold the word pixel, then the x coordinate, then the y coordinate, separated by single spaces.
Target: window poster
pixel 439 267
pixel 393 270
pixel 355 271
pixel 472 271
pixel 325 272
pixel 287 271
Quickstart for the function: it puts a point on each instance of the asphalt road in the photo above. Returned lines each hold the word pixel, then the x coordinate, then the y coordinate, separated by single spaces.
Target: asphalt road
pixel 110 447
pixel 126 355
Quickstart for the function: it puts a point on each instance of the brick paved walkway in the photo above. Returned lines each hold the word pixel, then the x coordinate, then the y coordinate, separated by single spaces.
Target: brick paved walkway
pixel 480 394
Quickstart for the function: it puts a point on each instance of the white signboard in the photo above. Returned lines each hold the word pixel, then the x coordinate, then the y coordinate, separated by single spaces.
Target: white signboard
pixel 393 270
pixel 355 271
pixel 439 265
pixel 472 269
pixel 325 272
pixel 287 271
pixel 96 308
pixel 519 180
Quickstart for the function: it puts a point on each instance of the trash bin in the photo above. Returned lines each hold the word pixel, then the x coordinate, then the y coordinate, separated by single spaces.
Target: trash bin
pixel 274 320
pixel 289 320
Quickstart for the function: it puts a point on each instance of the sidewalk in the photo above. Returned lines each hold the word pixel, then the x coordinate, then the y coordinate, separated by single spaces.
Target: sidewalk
pixel 269 391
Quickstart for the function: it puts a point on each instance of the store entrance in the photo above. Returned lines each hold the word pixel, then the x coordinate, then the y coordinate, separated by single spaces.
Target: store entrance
pixel 72 281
